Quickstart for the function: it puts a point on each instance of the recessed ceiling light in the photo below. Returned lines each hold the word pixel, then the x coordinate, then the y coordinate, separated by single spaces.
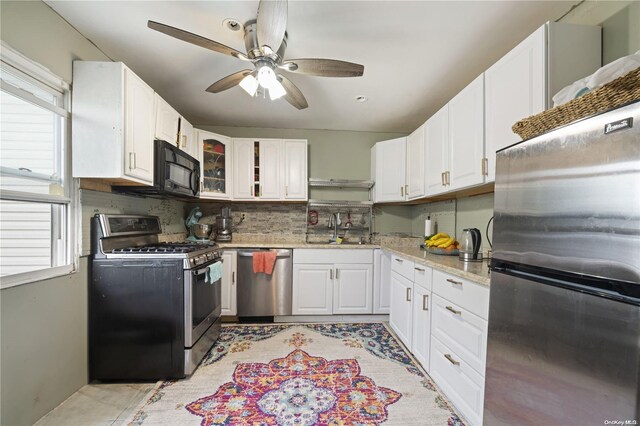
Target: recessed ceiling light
pixel 361 98
pixel 232 24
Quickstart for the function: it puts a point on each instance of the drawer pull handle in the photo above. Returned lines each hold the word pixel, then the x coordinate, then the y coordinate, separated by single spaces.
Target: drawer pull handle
pixel 451 360
pixel 408 295
pixel 450 309
pixel 419 269
pixel 399 260
pixel 425 298
pixel 454 281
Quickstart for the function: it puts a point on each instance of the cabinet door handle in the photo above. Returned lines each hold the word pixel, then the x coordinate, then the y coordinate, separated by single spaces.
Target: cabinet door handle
pixel 451 360
pixel 337 274
pixel 485 165
pixel 448 176
pixel 251 189
pixel 425 299
pixel 408 295
pixel 442 178
pixel 233 277
pixel 406 190
pixel 449 280
pixel 331 273
pixel 260 193
pixel 419 269
pixel 450 309
pixel 286 190
pixel 402 191
pixel 398 260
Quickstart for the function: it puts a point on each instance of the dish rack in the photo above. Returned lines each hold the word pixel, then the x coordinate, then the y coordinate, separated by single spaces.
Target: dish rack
pixel 358 213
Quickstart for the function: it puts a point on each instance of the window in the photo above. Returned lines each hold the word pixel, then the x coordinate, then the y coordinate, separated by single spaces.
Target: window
pixel 37 194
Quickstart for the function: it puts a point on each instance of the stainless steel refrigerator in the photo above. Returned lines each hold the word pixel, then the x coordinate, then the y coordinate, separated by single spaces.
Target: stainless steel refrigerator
pixel 564 317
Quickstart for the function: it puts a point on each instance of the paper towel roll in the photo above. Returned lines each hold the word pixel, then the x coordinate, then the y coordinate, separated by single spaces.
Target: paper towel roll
pixel 427 227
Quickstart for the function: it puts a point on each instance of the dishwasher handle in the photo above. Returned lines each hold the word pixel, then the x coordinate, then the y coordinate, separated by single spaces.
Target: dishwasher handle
pixel 279 253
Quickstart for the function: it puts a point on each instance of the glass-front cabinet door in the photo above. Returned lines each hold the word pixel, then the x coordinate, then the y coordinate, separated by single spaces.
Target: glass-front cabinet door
pixel 215 162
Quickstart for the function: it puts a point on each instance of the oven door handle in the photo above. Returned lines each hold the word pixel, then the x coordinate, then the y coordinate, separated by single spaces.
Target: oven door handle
pixel 204 269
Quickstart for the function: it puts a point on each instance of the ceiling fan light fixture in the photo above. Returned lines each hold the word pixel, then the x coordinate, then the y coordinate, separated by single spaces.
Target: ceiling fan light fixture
pixel 276 90
pixel 249 84
pixel 266 77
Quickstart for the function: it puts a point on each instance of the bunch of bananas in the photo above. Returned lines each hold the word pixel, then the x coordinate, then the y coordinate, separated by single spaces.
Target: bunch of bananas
pixel 441 240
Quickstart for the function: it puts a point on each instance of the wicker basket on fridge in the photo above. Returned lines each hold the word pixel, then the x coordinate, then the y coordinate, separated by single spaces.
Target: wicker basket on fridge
pixel 621 91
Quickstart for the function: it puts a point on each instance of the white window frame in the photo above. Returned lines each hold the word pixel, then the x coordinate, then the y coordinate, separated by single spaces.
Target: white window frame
pixel 40 75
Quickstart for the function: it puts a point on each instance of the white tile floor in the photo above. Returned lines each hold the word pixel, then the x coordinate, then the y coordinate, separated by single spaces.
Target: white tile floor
pixel 98 405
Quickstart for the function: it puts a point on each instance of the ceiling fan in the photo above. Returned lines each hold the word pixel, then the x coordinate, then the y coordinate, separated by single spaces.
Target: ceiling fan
pixel 265 40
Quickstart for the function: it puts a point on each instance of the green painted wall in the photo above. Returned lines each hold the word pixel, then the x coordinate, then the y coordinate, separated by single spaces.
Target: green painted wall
pixel 43 331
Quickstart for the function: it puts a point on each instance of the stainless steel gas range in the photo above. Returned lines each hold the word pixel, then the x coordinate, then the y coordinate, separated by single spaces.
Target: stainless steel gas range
pixel 154 308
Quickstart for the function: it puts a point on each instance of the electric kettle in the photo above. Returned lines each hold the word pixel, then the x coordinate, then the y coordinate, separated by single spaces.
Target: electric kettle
pixel 470 245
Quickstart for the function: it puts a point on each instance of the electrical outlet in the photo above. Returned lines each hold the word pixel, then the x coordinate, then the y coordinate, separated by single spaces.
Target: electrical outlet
pixel 244 216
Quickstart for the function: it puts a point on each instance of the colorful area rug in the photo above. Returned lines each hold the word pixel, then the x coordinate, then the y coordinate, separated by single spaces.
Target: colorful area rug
pixel 301 375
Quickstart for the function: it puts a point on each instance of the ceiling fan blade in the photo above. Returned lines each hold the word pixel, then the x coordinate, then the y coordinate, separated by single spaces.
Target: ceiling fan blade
pixel 228 82
pixel 294 96
pixel 323 67
pixel 196 39
pixel 271 24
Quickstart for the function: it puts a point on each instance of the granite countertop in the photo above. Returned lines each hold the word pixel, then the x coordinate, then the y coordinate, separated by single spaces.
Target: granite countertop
pixel 477 272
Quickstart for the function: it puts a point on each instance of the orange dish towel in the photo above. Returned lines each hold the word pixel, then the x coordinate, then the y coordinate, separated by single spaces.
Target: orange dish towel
pixel 264 261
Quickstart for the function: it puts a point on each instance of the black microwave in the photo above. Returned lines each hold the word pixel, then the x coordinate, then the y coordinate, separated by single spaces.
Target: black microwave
pixel 176 174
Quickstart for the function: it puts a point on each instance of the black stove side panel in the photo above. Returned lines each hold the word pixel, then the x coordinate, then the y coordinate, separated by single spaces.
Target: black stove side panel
pixel 136 320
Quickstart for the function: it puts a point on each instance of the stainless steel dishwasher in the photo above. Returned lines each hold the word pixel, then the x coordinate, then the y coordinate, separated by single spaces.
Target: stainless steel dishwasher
pixel 264 295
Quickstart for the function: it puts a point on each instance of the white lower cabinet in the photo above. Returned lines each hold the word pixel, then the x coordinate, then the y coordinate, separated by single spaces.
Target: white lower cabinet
pixel 229 288
pixel 442 320
pixel 462 385
pixel 352 289
pixel 312 289
pixel 459 342
pixel 332 281
pixel 381 282
pixel 421 335
pixel 400 317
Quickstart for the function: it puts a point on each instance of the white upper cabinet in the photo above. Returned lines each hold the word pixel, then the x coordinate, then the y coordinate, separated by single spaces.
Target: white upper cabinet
pixel 259 169
pixel 455 142
pixel 466 137
pixel 415 164
pixel 437 142
pixel 243 169
pixel 167 120
pixel 270 167
pixel 514 90
pixel 113 123
pixel 295 169
pixel 388 160
pixel 187 138
pixel 138 141
pixel 214 153
pixel 523 82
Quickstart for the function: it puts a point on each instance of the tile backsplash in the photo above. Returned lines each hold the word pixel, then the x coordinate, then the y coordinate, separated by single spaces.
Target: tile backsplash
pixel 260 218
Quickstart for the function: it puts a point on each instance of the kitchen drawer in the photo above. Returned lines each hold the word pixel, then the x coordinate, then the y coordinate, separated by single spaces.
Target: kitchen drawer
pixel 422 275
pixel 402 266
pixel 462 331
pixel 462 385
pixel 333 256
pixel 469 295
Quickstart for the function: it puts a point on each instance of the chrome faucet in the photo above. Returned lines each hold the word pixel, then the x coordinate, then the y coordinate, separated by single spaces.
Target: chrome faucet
pixel 333 221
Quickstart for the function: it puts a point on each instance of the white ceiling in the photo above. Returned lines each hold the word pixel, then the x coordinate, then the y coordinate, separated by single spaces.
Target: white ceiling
pixel 416 55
